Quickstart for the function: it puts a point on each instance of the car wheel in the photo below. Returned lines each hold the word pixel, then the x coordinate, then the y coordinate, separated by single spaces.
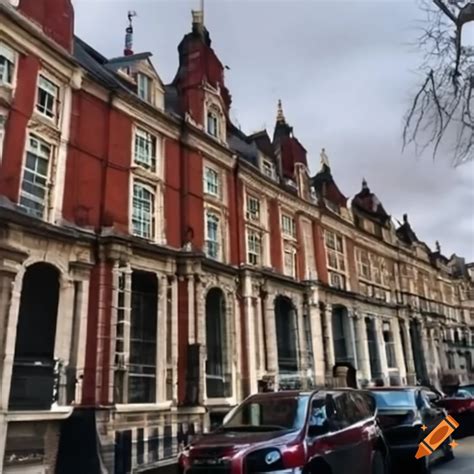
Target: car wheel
pixel 379 464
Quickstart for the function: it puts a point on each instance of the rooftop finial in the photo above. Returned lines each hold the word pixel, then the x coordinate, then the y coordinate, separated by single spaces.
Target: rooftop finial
pixel 280 115
pixel 324 158
pixel 198 17
pixel 364 184
pixel 128 51
pixel 405 218
pixel 438 247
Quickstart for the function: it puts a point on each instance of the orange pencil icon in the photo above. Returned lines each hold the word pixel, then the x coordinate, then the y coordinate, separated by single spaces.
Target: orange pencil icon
pixel 436 437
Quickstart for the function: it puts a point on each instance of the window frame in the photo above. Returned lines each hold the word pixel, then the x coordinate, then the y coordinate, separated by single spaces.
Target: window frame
pixel 209 185
pixel 47 177
pixel 150 139
pixel 255 248
pixel 152 221
pixel 288 226
pixel 148 97
pixel 290 251
pixel 10 58
pixel 217 242
pixel 3 123
pixel 253 212
pixel 54 112
pixel 335 252
pixel 212 117
pixel 268 168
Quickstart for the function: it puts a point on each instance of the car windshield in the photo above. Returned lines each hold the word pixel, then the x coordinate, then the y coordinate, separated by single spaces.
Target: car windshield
pixel 268 414
pixel 397 398
pixel 468 388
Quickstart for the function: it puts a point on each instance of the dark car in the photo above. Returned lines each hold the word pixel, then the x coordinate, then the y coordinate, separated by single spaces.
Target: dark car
pixel 293 432
pixel 403 413
pixel 460 406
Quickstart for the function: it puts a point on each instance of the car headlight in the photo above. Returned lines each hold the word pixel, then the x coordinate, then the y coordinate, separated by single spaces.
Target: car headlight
pixel 272 457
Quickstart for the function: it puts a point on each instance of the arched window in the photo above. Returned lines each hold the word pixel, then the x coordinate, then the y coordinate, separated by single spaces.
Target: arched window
pixel 287 335
pixel 218 375
pixel 33 375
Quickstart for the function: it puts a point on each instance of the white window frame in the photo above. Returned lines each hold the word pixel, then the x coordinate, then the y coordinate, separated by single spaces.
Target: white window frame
pixel 144 87
pixel 147 159
pixel 288 226
pixel 289 251
pixel 212 182
pixel 7 65
pixel 253 208
pixel 254 247
pixel 53 92
pixel 3 121
pixel 363 266
pixel 213 122
pixel 213 247
pixel 37 177
pixel 140 220
pixel 268 169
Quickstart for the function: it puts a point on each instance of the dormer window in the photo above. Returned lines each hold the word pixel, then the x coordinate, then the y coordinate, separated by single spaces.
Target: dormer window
pixel 212 123
pixel 268 169
pixel 144 87
pixel 7 65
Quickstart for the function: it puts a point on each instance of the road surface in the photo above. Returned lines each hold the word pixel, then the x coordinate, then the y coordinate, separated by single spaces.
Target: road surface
pixel 464 459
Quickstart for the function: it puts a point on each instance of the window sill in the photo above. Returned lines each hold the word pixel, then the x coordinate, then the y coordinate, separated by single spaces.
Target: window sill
pixel 140 407
pixel 220 402
pixel 56 413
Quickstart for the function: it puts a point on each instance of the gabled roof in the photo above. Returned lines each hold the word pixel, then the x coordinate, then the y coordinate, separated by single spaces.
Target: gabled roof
pixel 239 142
pixel 263 143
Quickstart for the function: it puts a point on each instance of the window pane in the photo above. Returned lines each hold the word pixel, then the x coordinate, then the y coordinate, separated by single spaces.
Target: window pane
pixel 143 212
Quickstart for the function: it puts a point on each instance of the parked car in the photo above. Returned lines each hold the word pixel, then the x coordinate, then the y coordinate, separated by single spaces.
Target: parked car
pixel 460 406
pixel 292 432
pixel 402 412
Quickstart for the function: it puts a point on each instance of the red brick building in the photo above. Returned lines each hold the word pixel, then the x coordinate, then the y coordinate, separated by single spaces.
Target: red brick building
pixel 157 264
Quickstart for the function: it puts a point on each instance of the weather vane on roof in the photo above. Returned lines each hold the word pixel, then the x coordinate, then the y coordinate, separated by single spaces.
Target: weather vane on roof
pixel 128 51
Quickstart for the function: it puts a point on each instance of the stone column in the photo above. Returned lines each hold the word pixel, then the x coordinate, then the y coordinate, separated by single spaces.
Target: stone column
pixel 318 343
pixel 425 351
pixel 250 349
pixel 410 362
pixel 395 328
pixel 351 344
pixel 381 349
pixel 328 340
pixel 271 335
pixel 3 438
pixel 363 356
pixel 161 339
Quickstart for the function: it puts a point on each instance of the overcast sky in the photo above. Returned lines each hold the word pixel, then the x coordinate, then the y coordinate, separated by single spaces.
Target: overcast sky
pixel 345 71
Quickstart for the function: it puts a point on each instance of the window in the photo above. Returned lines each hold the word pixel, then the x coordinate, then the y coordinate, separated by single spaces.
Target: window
pixel 335 251
pixel 254 247
pixel 268 169
pixel 48 97
pixel 143 216
pixel 34 186
pixel 253 208
pixel 212 123
pixel 212 235
pixel 144 87
pixel 363 263
pixel 288 226
pixel 337 281
pixel 290 261
pixel 211 182
pixel 143 337
pixel 3 120
pixel 389 345
pixel 7 65
pixel 145 149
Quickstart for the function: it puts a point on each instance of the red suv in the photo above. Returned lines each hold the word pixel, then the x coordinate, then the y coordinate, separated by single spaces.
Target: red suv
pixel 320 432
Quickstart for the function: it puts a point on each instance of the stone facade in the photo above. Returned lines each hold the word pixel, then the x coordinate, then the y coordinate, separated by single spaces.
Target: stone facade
pixel 157 265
